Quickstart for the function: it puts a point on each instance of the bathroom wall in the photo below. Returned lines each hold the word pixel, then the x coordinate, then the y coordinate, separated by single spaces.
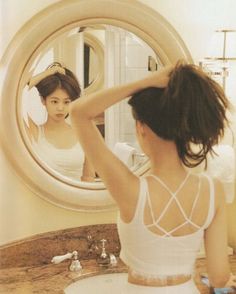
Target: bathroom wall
pixel 21 212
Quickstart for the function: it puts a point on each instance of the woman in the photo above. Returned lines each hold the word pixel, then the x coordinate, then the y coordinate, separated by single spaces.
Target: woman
pixel 164 216
pixel 55 141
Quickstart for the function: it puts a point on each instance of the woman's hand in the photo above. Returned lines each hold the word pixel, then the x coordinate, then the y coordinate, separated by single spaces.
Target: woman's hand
pixel 160 78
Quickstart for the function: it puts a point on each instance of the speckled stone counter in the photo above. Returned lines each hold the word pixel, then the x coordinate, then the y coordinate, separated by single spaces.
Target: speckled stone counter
pixel 39 249
pixel 25 266
pixel 49 278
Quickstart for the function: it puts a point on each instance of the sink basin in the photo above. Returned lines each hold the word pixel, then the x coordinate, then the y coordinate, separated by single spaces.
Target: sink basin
pixel 105 284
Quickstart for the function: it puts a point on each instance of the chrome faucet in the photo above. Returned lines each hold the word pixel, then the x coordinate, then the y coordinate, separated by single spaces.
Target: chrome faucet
pixel 105 259
pixel 75 264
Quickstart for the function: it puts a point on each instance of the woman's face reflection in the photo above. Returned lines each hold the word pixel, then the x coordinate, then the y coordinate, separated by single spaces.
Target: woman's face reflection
pixel 57 105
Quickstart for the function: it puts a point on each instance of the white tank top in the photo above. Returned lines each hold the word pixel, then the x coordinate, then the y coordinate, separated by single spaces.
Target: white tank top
pixel 68 162
pixel 150 255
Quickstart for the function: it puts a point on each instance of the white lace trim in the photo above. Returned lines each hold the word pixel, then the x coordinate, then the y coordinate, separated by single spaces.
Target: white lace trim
pixel 152 277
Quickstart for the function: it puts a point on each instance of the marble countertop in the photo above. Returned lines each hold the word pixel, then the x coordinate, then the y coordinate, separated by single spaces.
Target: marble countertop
pixel 26 268
pixel 49 278
pixel 53 279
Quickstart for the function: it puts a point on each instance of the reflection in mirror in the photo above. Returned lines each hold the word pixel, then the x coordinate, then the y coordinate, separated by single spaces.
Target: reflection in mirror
pixel 54 140
pixel 125 57
pixel 91 66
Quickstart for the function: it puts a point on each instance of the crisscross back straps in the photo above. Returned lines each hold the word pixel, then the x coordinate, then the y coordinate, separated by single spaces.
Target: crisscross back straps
pixel 187 220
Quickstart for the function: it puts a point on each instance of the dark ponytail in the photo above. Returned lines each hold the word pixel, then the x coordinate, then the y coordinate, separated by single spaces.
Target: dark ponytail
pixel 191 111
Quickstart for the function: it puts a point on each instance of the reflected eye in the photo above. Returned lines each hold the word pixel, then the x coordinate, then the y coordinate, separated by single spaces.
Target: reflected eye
pixel 54 101
pixel 67 102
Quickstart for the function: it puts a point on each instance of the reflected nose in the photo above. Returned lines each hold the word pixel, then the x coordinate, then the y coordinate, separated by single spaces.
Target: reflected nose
pixel 60 106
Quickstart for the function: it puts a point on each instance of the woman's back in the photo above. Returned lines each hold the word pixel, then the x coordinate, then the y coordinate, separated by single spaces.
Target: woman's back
pixel 162 240
pixel 178 210
pixel 167 227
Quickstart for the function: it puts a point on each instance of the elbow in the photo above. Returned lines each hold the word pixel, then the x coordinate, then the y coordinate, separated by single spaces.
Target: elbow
pixel 79 111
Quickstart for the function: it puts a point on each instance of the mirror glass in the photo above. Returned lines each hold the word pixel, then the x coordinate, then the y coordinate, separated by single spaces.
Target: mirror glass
pixel 100 56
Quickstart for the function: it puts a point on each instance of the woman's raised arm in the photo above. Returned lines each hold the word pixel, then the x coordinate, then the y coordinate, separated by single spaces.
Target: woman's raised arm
pixel 116 176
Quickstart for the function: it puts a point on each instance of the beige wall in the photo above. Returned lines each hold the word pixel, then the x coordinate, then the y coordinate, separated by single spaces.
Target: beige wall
pixel 21 212
pixel 196 20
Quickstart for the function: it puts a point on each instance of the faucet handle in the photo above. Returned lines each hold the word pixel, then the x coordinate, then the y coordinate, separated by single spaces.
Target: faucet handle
pixel 60 258
pixel 103 259
pixel 106 259
pixel 103 241
pixel 103 254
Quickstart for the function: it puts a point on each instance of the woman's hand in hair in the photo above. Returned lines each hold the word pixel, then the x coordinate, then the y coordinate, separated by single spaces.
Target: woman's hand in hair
pixel 160 78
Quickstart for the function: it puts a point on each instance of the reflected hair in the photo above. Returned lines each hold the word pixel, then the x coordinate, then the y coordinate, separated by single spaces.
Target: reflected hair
pixel 67 82
pixel 191 111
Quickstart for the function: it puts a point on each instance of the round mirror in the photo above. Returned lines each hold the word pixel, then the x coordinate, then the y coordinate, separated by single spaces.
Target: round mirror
pixel 103 49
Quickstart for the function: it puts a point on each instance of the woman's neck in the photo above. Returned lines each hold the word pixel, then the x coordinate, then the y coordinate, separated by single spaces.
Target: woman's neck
pixel 52 124
pixel 166 165
pixel 164 158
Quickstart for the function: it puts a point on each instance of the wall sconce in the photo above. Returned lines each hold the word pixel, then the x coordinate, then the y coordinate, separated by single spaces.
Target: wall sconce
pixel 222 51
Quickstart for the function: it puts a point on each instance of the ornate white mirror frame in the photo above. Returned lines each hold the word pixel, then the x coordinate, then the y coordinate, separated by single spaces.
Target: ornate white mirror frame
pixel 37 33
